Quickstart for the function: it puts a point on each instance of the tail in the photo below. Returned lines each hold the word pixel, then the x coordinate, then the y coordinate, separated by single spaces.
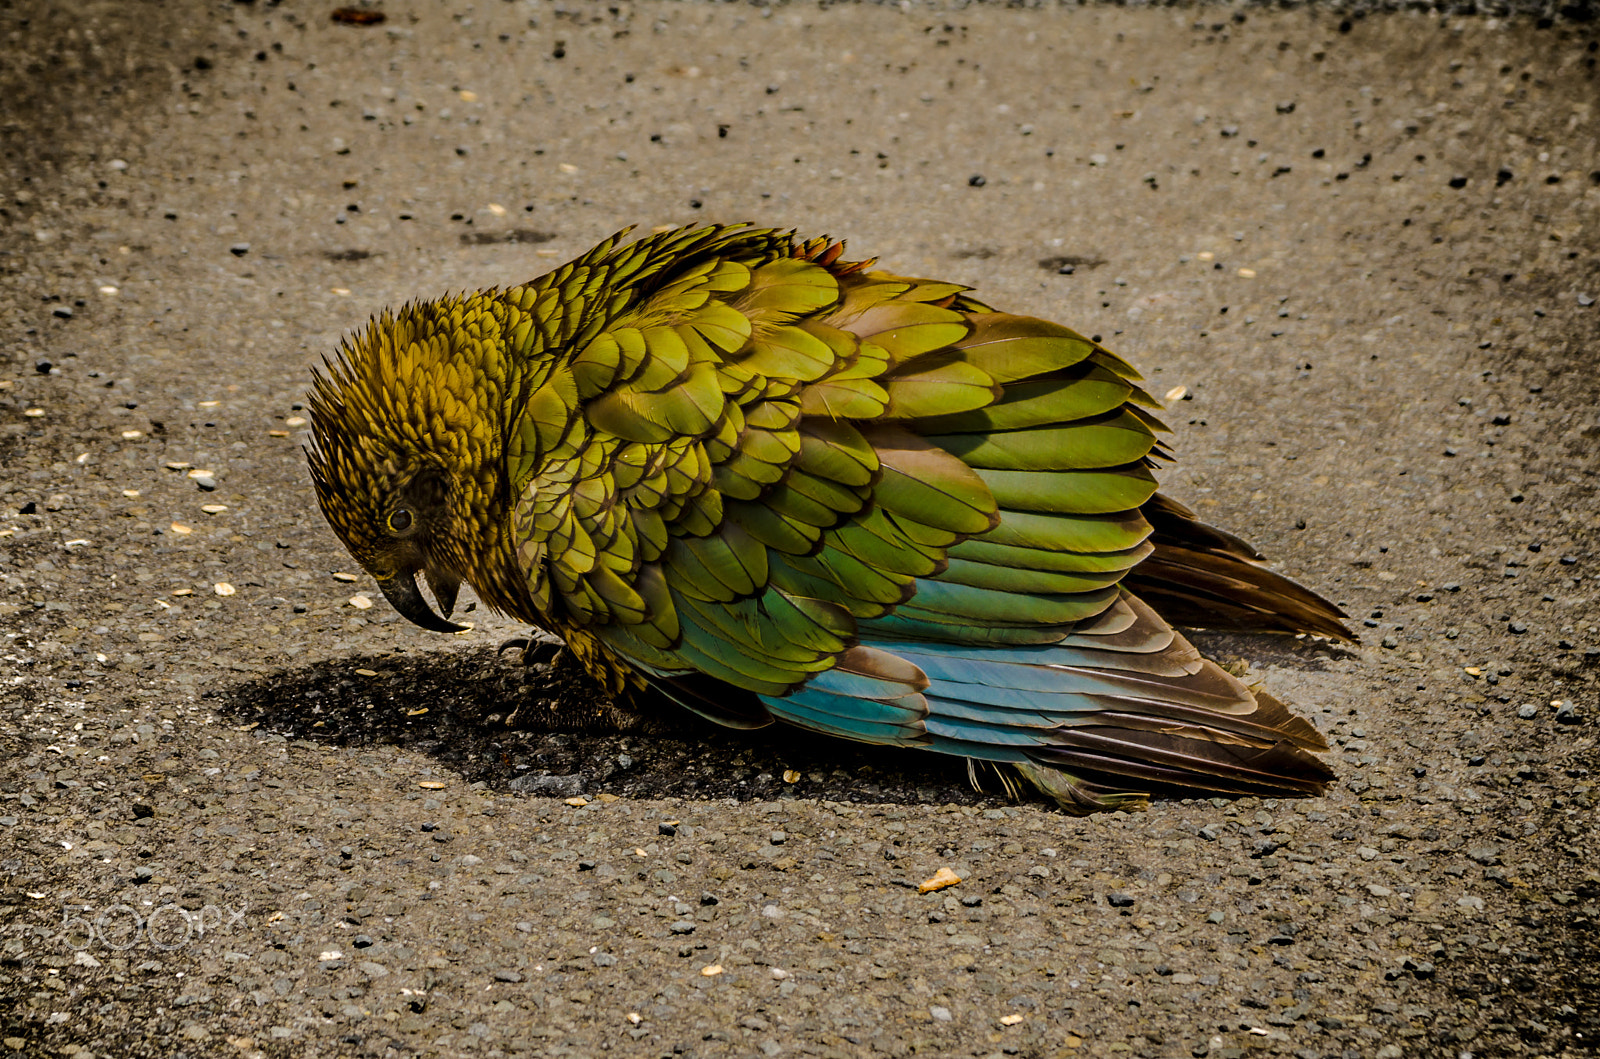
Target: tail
pixel 1122 707
pixel 1203 577
pixel 1118 764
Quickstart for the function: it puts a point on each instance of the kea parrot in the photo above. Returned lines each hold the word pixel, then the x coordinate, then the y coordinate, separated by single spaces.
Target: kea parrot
pixel 731 468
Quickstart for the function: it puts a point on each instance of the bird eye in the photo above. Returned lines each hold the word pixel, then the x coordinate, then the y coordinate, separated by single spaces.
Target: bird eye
pixel 400 521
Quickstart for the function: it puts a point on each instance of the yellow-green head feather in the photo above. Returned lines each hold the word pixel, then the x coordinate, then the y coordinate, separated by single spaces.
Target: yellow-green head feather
pixel 407 461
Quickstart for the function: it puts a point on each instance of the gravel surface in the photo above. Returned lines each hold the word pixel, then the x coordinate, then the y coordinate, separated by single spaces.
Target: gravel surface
pixel 245 811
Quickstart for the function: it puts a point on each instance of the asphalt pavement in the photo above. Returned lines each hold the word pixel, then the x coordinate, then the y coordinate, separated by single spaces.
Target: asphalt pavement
pixel 247 811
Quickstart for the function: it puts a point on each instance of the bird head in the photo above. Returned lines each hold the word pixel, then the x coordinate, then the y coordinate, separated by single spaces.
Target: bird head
pixel 393 520
pixel 403 460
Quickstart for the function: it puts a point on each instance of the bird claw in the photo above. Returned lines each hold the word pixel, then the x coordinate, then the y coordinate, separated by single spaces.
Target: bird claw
pixel 536 649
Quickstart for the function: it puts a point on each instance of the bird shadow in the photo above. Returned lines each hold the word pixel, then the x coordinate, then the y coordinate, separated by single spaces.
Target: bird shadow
pixel 550 731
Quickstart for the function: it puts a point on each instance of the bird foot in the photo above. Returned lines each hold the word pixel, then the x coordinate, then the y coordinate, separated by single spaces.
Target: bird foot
pixel 537 648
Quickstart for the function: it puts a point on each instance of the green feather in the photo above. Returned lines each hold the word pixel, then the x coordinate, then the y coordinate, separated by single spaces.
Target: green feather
pixel 1078 392
pixel 1116 439
pixel 1023 579
pixel 943 601
pixel 936 384
pixel 836 451
pixel 1009 348
pixel 1071 492
pixel 1072 533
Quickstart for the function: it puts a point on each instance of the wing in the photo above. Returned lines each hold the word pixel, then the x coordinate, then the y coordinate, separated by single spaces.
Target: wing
pixel 778 485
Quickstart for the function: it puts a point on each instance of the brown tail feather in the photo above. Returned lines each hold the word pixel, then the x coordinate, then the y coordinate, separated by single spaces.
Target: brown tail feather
pixel 1204 577
pixel 1155 758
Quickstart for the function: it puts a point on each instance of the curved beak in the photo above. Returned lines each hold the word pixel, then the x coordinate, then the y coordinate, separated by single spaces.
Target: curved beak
pixel 444 590
pixel 401 592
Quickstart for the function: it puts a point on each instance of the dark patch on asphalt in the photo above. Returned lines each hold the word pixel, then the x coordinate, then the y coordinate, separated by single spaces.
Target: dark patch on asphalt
pixel 515 235
pixel 1310 654
pixel 1067 264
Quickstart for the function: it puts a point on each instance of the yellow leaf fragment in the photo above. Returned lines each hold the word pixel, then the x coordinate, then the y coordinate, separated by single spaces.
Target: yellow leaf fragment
pixel 942 878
